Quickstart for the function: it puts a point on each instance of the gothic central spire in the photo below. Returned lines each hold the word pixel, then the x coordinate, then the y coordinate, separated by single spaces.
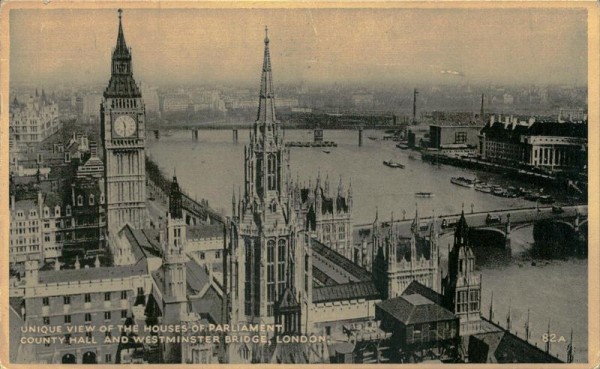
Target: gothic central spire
pixel 266 107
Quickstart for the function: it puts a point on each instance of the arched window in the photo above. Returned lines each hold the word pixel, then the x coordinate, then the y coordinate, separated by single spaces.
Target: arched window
pixel 68 210
pixel 281 249
pixel 101 198
pixel 271 167
pixel 92 199
pixel 79 200
pixel 270 251
pixel 57 211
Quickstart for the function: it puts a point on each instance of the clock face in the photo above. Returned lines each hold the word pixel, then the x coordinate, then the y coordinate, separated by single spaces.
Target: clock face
pixel 125 126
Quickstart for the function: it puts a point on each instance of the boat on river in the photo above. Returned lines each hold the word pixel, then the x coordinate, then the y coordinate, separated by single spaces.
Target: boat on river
pixel 393 164
pixel 424 194
pixel 461 181
pixel 483 187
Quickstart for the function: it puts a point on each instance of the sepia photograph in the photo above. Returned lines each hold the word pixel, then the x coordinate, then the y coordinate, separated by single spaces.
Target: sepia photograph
pixel 298 184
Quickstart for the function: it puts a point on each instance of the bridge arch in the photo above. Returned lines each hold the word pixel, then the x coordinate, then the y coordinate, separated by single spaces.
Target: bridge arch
pixel 487 237
pixel 89 358
pixel 554 238
pixel 69 359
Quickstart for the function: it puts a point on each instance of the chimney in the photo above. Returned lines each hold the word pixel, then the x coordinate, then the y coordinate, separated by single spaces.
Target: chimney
pixel 492 120
pixel 77 264
pixel 12 202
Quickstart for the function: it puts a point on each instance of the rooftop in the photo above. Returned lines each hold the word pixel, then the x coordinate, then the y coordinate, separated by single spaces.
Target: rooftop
pixel 415 309
pixel 91 274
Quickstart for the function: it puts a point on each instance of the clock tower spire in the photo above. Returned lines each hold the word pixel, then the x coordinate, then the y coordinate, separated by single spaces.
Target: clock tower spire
pixel 122 116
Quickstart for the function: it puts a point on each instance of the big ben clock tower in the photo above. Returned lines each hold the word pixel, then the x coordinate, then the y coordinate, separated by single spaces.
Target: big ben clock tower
pixel 122 115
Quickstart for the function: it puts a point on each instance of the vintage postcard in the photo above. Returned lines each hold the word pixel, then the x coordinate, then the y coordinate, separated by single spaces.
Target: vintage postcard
pixel 299 183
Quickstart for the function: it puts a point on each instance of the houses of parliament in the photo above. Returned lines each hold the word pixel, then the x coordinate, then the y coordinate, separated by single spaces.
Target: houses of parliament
pixel 290 261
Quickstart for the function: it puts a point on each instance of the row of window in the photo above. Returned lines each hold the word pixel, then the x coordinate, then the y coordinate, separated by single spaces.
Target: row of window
pixel 87 317
pixel 22 249
pixel 217 255
pixel 467 302
pixel 88 297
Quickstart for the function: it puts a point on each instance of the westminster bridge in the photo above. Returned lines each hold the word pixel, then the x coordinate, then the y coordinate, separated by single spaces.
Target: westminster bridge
pixel 567 223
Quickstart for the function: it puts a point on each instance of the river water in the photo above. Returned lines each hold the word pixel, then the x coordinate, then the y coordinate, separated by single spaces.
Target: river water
pixel 556 290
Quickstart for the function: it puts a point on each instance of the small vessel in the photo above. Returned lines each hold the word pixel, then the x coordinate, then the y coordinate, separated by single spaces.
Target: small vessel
pixel 402 146
pixel 393 164
pixel 327 151
pixel 424 194
pixel 498 191
pixel 169 133
pixel 373 138
pixel 483 187
pixel 461 181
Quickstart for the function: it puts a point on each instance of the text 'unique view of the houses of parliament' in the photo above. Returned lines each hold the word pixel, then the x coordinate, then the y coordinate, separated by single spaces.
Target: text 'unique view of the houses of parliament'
pixel 119 255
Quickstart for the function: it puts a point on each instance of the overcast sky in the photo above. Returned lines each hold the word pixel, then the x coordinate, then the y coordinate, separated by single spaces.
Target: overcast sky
pixel 307 45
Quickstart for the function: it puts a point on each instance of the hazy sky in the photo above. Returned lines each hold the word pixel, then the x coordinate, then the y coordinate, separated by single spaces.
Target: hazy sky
pixel 313 45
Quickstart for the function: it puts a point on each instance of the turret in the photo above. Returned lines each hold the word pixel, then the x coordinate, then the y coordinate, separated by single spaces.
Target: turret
pixel 350 202
pixel 175 200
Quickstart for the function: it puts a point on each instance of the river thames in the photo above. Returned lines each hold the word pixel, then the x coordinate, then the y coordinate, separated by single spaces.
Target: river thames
pixel 554 290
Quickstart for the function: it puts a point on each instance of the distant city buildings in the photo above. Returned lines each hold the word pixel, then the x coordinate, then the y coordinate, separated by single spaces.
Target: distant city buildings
pixel 91 107
pixel 34 119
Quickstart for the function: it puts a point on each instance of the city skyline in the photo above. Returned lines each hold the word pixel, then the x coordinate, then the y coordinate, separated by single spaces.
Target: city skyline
pixel 543 46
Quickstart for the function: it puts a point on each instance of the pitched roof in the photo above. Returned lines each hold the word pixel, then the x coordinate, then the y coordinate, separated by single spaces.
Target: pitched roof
pixel 415 309
pixel 209 305
pixel 196 277
pixel 347 291
pixel 417 288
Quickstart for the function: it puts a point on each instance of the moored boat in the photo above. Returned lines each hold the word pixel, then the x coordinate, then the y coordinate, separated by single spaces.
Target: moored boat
pixel 461 181
pixel 482 187
pixel 393 164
